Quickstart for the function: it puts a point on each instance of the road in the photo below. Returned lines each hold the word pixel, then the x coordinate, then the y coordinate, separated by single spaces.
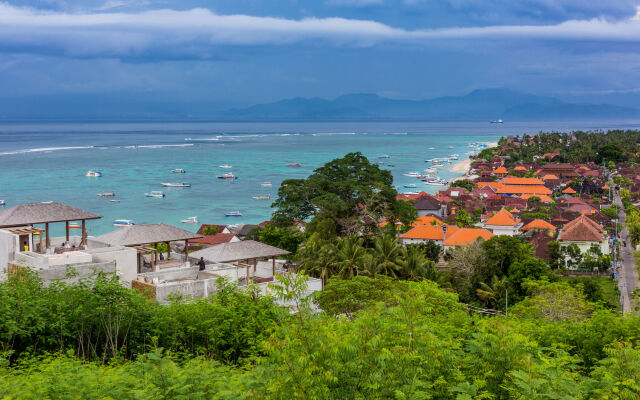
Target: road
pixel 628 275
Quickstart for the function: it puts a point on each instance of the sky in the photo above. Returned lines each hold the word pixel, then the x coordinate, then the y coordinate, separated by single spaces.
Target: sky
pixel 234 53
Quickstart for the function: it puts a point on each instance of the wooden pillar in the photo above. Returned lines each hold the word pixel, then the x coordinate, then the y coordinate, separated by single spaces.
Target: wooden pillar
pixel 186 251
pixel 41 248
pixel 46 227
pixel 66 225
pixel 138 256
pixel 168 251
pixel 274 265
pixel 84 232
pixel 255 264
pixel 248 271
pixel 154 261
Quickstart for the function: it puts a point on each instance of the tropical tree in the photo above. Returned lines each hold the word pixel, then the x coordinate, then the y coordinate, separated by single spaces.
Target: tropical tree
pixel 349 256
pixel 414 265
pixel 386 252
pixel 493 294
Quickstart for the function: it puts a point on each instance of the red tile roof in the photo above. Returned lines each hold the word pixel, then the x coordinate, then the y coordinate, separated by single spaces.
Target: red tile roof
pixel 538 224
pixel 212 240
pixel 568 190
pixel 513 180
pixel 581 229
pixel 429 232
pixel 524 189
pixel 467 236
pixel 503 218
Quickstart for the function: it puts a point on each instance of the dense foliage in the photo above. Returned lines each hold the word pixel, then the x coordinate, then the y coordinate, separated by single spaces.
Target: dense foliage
pixel 378 339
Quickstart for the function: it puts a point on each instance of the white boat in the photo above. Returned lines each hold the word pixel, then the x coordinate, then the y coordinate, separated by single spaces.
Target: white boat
pixel 432 148
pixel 228 175
pixel 190 220
pixel 440 160
pixel 94 174
pixel 122 222
pixel 170 184
pixel 114 201
pixel 266 184
pixel 410 193
pixel 436 182
pixel 431 170
pixel 178 171
pixel 411 186
pixel 497 121
pixel 107 194
pixel 233 214
pixel 227 166
pixel 262 197
pixel 412 174
pixel 454 156
pixel 384 156
pixel 437 164
pixel 451 147
pixel 428 160
pixel 2 203
pixel 155 193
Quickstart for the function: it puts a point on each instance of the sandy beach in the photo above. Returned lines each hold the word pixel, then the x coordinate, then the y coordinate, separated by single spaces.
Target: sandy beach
pixel 462 166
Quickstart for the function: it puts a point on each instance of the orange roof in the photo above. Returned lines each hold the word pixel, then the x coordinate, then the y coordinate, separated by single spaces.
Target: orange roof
pixel 605 187
pixel 500 170
pixel 427 220
pixel 539 224
pixel 569 191
pixel 512 180
pixel 493 185
pixel 467 236
pixel 543 197
pixel 429 232
pixel 581 229
pixel 519 168
pixel 503 218
pixel 538 172
pixel 524 189
pixel 550 176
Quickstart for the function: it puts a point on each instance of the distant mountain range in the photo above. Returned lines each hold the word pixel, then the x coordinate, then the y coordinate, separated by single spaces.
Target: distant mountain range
pixel 486 104
pixel 479 105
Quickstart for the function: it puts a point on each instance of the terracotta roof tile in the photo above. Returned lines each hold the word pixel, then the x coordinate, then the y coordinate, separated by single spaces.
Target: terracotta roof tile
pixel 429 232
pixel 467 236
pixel 568 190
pixel 538 224
pixel 543 197
pixel 512 180
pixel 524 189
pixel 581 229
pixel 500 170
pixel 427 220
pixel 549 176
pixel 503 218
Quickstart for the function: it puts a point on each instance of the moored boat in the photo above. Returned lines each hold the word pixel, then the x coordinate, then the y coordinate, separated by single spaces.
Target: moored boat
pixel 233 214
pixel 190 220
pixel 262 197
pixel 155 193
pixel 295 165
pixel 410 186
pixel 2 203
pixel 227 166
pixel 94 174
pixel 122 222
pixel 178 171
pixel 172 184
pixel 266 184
pixel 228 175
pixel 107 194
pixel 412 174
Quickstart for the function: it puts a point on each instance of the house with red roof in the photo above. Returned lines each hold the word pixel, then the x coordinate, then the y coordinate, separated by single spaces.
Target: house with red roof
pixel 466 236
pixel 503 223
pixel 424 233
pixel 584 233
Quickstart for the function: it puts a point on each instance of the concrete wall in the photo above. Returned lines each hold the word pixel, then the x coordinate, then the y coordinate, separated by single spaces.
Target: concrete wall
pixel 82 271
pixel 8 246
pixel 196 289
pixel 125 258
pixel 502 230
pixel 418 241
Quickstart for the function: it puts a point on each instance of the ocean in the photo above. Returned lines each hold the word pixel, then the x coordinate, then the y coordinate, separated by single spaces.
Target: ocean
pixel 49 161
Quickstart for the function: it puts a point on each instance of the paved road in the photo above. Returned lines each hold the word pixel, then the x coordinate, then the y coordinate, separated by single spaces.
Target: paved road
pixel 628 277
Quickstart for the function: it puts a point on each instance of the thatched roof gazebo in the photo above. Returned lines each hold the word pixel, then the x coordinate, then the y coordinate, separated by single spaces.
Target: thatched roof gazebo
pixel 140 236
pixel 45 213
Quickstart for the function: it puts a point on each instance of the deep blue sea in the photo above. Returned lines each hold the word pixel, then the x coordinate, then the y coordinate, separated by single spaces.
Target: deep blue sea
pixel 48 161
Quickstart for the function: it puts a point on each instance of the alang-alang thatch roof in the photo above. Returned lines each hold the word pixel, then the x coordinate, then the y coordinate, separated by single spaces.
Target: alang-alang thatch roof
pixel 236 251
pixel 145 234
pixel 41 213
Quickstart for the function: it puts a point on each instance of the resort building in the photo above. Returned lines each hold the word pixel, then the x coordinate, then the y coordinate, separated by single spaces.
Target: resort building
pixel 538 225
pixel 428 205
pixel 425 233
pixel 503 223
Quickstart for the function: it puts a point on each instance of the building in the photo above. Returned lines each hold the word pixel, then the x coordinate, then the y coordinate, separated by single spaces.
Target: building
pixel 503 223
pixel 538 225
pixel 428 205
pixel 425 233
pixel 466 236
pixel 584 233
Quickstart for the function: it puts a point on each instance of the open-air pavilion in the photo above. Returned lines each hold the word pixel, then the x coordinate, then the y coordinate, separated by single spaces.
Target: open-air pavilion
pixel 142 237
pixel 20 220
pixel 241 254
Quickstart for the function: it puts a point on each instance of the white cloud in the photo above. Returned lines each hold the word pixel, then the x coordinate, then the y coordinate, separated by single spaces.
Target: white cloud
pixel 193 33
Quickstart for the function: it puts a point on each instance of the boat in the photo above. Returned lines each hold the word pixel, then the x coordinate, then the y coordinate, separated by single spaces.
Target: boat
pixel 410 186
pixel 114 201
pixel 412 174
pixel 262 197
pixel 410 193
pixel 233 214
pixel 94 174
pixel 295 165
pixel 437 164
pixel 384 156
pixel 429 160
pixel 228 175
pixel 155 193
pixel 227 166
pixel 431 170
pixel 122 222
pixel 107 194
pixel 436 182
pixel 454 156
pixel 432 148
pixel 2 203
pixel 266 184
pixel 451 147
pixel 190 220
pixel 497 121
pixel 178 171
pixel 170 184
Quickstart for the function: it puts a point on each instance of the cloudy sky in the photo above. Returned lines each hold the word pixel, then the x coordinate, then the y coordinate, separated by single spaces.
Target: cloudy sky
pixel 241 52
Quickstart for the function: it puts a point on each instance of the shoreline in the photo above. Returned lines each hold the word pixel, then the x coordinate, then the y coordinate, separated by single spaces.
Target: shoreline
pixel 462 167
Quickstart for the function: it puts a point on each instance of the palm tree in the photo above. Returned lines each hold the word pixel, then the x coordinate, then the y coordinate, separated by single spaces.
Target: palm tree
pixel 493 294
pixel 318 259
pixel 370 266
pixel 414 264
pixel 387 252
pixel 349 254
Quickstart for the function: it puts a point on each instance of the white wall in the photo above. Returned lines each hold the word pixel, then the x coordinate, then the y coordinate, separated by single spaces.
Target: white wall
pixel 8 246
pixel 126 259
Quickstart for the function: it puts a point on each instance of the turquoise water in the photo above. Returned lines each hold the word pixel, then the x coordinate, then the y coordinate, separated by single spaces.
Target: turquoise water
pixel 48 162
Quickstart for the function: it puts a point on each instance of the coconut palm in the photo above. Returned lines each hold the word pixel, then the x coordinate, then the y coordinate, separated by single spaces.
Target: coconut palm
pixel 493 294
pixel 413 264
pixel 370 266
pixel 349 255
pixel 318 259
pixel 387 253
